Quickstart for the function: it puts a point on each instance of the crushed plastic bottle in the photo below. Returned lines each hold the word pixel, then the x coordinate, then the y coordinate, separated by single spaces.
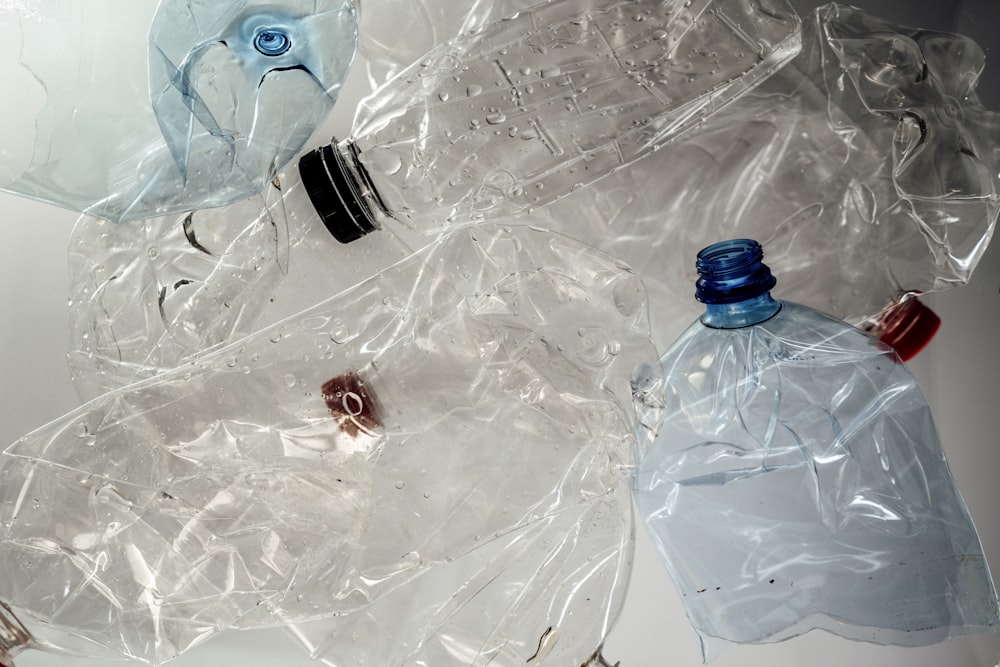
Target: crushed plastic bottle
pixel 860 209
pixel 791 476
pixel 138 108
pixel 342 472
pixel 533 106
pixel 146 298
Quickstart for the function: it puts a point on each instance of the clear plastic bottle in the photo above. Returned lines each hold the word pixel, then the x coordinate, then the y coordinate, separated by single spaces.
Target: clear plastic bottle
pixel 344 471
pixel 528 108
pixel 810 162
pixel 135 108
pixel 148 297
pixel 791 476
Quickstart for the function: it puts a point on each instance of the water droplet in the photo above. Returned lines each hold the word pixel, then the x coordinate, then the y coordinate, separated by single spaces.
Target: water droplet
pixel 550 72
pixel 474 90
pixel 275 336
pixel 81 430
pixel 153 252
pixel 315 322
pixel 290 380
pixel 525 70
pixel 384 160
pixel 443 96
pixel 512 131
pixel 340 334
pixel 231 362
pixel 496 117
pixel 400 484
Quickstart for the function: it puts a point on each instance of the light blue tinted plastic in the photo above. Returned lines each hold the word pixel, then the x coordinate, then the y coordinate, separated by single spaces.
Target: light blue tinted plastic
pixel 740 314
pixel 792 478
pixel 139 109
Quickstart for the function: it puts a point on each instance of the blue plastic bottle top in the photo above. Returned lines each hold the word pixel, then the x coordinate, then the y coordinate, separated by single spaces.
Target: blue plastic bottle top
pixel 734 284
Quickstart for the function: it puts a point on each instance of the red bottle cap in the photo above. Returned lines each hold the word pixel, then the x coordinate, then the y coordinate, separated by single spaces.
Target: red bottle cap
pixel 907 326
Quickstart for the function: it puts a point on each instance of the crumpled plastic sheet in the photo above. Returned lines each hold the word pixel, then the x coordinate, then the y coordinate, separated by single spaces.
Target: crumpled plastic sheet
pixel 149 296
pixel 532 106
pixel 140 108
pixel 792 478
pixel 176 302
pixel 342 471
pixel 867 167
pixel 387 49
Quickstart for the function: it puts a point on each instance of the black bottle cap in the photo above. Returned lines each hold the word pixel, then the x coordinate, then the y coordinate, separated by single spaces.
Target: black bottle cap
pixel 336 193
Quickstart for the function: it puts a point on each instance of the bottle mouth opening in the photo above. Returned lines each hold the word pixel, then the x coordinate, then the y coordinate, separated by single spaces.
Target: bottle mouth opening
pixel 732 271
pixel 337 191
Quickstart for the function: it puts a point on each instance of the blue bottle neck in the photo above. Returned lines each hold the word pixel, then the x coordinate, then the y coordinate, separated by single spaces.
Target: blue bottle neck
pixel 738 314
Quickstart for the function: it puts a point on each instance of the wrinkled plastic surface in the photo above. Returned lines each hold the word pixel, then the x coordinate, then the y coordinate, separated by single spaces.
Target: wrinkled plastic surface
pixel 387 50
pixel 530 107
pixel 343 471
pixel 856 207
pixel 149 296
pixel 140 108
pixel 791 476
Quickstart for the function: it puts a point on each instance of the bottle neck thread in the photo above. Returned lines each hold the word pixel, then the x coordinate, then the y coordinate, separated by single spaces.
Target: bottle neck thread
pixel 735 284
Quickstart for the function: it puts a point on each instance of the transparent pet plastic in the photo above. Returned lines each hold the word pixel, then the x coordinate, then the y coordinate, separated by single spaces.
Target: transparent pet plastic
pixel 137 109
pixel 344 472
pixel 528 108
pixel 860 202
pixel 791 477
pixel 149 296
pixel 387 50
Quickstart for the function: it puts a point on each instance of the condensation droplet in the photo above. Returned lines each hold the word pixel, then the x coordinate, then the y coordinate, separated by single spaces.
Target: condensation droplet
pixel 473 90
pixel 400 484
pixel 384 160
pixel 315 322
pixel 290 380
pixel 340 334
pixel 496 117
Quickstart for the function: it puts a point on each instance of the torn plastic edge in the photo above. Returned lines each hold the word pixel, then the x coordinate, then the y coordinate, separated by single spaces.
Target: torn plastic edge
pixel 14 637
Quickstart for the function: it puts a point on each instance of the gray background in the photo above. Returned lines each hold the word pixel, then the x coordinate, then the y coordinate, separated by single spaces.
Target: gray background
pixel 958 372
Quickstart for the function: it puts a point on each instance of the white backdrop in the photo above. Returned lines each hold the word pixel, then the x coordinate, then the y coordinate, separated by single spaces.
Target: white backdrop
pixel 959 373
